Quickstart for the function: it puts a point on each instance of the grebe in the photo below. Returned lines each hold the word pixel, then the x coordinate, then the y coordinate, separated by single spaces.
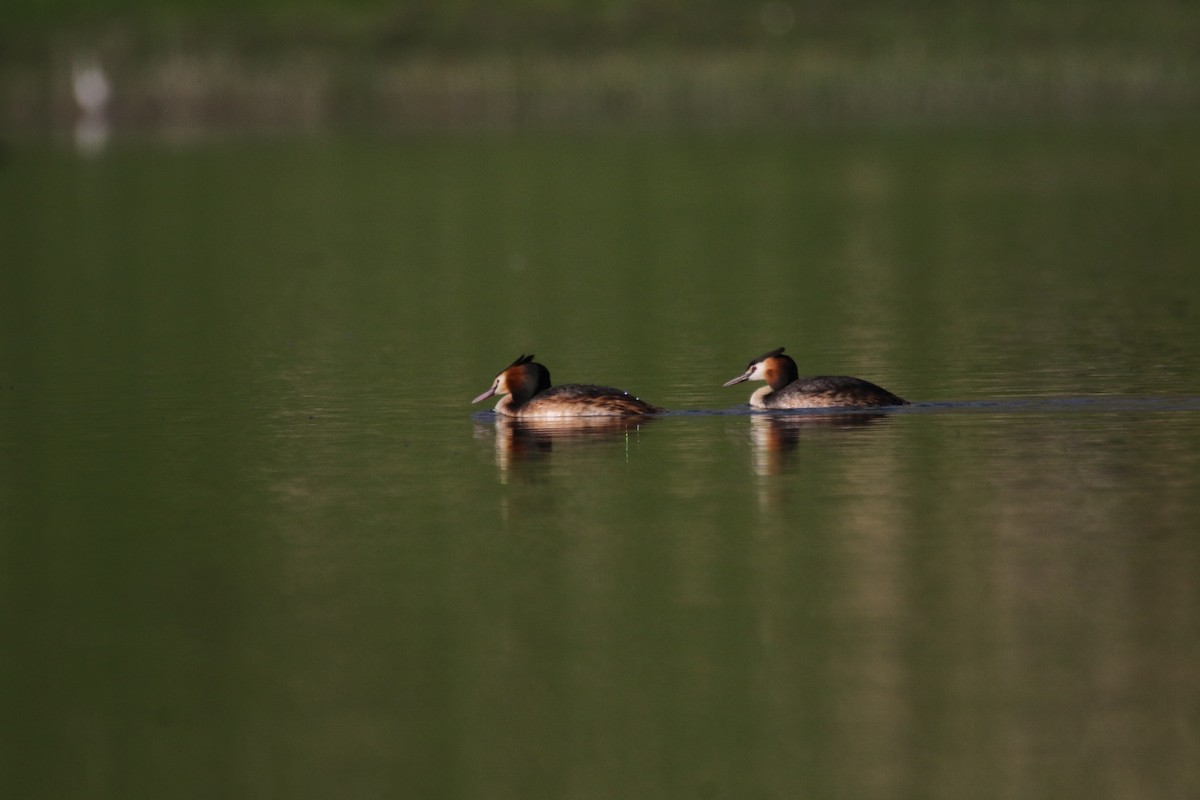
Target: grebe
pixel 529 395
pixel 786 389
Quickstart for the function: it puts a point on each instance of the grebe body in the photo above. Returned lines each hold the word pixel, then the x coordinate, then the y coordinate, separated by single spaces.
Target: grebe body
pixel 528 394
pixel 786 389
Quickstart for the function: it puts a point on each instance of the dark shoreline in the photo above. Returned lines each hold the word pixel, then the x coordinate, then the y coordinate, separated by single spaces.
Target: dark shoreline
pixel 199 92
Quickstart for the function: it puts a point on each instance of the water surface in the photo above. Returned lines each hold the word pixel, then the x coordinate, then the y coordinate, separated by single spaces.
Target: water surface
pixel 257 542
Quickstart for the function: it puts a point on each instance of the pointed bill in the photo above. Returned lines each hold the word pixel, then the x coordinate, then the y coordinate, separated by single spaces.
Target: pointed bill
pixel 745 376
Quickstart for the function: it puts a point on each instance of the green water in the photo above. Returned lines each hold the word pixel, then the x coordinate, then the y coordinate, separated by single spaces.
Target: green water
pixel 257 542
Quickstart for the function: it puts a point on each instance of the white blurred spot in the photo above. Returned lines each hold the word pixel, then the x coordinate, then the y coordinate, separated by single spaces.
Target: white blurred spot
pixel 92 89
pixel 92 94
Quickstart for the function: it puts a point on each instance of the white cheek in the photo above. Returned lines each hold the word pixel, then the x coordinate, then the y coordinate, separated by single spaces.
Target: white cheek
pixel 756 374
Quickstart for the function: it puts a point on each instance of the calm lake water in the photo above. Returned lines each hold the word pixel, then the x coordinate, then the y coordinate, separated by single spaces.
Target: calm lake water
pixel 258 543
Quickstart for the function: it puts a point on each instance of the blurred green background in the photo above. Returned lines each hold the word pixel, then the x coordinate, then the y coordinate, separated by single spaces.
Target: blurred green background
pixel 238 65
pixel 948 24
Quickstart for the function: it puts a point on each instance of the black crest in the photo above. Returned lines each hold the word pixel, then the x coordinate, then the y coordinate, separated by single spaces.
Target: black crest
pixel 523 359
pixel 777 351
pixel 543 374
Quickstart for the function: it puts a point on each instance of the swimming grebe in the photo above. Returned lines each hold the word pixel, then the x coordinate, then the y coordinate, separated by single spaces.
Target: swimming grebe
pixel 529 394
pixel 786 389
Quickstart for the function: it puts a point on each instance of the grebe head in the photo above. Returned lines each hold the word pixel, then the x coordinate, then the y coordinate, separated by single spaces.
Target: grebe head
pixel 522 379
pixel 774 367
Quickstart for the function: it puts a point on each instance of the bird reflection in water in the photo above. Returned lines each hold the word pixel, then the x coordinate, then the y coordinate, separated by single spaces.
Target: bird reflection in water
pixel 776 437
pixel 525 444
